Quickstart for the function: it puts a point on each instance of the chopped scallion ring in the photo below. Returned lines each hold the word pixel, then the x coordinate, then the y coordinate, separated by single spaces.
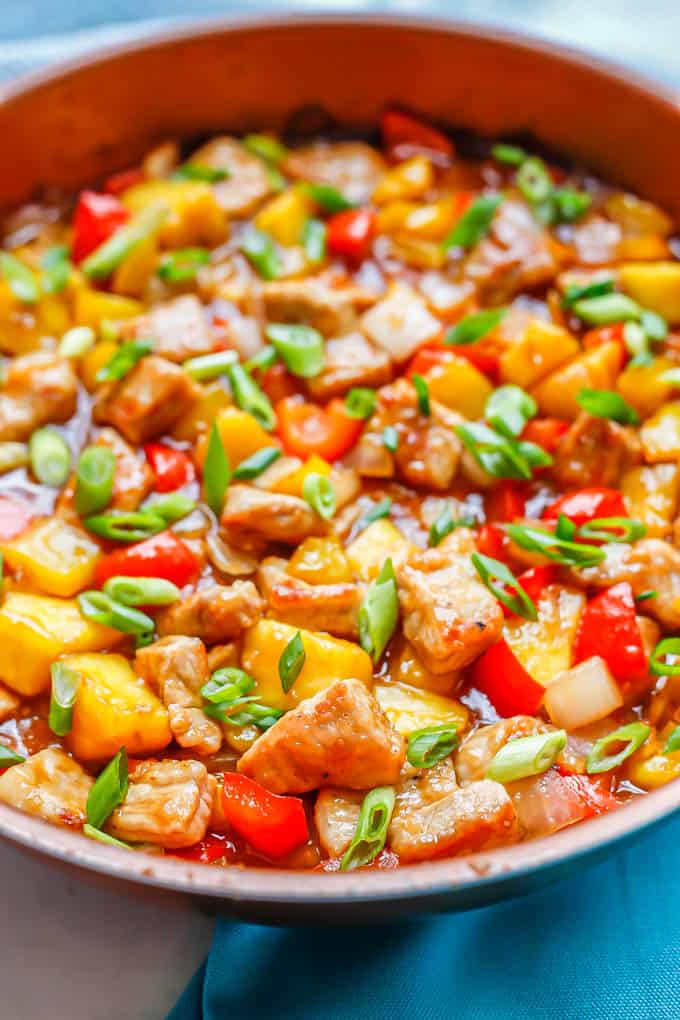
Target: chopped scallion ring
pixel 314 235
pixel 49 456
pixel 199 172
pixel 633 736
pixel 171 508
pixel 183 264
pixel 291 662
pixel 475 326
pixel 216 471
pixel 428 746
pixel 76 342
pixel 95 474
pixel 572 554
pixel 103 837
pixel 101 608
pixel 65 684
pixel 534 181
pixel 511 155
pixel 258 462
pixel 329 198
pixel 654 325
pixel 390 438
pixel 125 526
pixel 260 250
pixel 244 713
pixel 141 591
pixel 371 831
pixel 673 742
pixel 109 255
pixel 473 224
pixel 508 409
pixel 607 404
pixel 266 147
pixel 124 360
pixel 379 510
pixel 657 665
pixel 526 756
pixel 320 494
pixel 209 366
pixel 300 348
pixel 227 685
pixel 423 394
pixel 8 757
pixel 565 528
pixel 19 278
pixel 360 402
pixel 644 595
pixel 612 529
pixel 250 397
pixel 578 292
pixel 606 309
pixel 109 790
pixel 56 270
pixel 491 571
pixel 379 612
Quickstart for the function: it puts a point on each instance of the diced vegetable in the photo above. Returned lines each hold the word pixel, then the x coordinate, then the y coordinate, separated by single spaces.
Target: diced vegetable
pixel 273 825
pixel 59 558
pixel 307 428
pixel 544 646
pixel 499 674
pixel 654 285
pixel 583 695
pixel 164 556
pixel 411 709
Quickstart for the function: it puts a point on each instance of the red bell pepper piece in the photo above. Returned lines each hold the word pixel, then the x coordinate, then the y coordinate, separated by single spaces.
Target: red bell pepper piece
pixel 587 505
pixel 608 627
pixel 592 795
pixel 116 184
pixel 404 136
pixel 15 515
pixel 277 383
pixel 492 541
pixel 97 216
pixel 273 825
pixel 506 501
pixel 350 233
pixel 533 581
pixel 172 468
pixel 209 849
pixel 484 355
pixel 545 432
pixel 164 556
pixel 506 683
pixel 307 428
pixel 605 334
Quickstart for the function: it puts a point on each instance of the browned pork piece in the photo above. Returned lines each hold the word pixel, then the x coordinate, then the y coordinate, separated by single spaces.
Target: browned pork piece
pixel 168 803
pixel 339 737
pixel 216 613
pixel 351 360
pixel 50 785
pixel 336 814
pixel 448 614
pixel 354 168
pixel 177 667
pixel 331 310
pixel 179 328
pixel 475 753
pixel 148 401
pixel 134 479
pixel 330 607
pixel 248 181
pixel 595 451
pixel 38 388
pixel 252 513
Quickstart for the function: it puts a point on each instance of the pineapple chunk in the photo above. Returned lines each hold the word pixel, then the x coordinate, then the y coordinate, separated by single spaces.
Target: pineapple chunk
pixel 91 306
pixel 651 495
pixel 660 434
pixel 114 708
pixel 656 285
pixel 409 179
pixel 320 561
pixel 643 386
pixel 134 273
pixel 541 349
pixel 55 556
pixel 241 434
pixel 594 369
pixel 327 659
pixel 371 548
pixel 543 646
pixel 284 217
pixel 200 416
pixel 35 630
pixel 405 667
pixel 460 386
pixel 651 773
pixel 195 215
pixel 410 709
pixel 94 360
pixel 292 484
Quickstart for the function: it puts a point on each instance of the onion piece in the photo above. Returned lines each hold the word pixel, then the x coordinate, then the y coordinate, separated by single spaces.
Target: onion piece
pixel 582 695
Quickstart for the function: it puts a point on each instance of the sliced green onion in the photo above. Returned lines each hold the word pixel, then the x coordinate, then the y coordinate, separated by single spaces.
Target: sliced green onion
pixel 109 255
pixel 95 473
pixel 499 455
pixel 633 735
pixel 607 404
pixel 125 526
pixel 612 529
pixel 50 457
pixel 565 528
pixel 673 742
pixel 101 608
pixel 227 685
pixel 360 402
pixel 428 746
pixel 13 455
pixel 314 234
pixel 511 155
pixel 390 438
pixel 182 265
pixel 200 172
pixel 291 662
pixel 570 205
pixel 371 831
pixel 492 571
pixel 8 757
pixel 253 466
pixel 423 394
pixel 109 790
pixel 526 756
pixel 672 376
pixel 580 292
pixel 379 612
pixel 250 397
pixel 76 342
pixel 533 180
pixel 607 309
pixel 657 665
pixel 264 359
pixel 209 366
pixel 320 494
pixel 141 591
pixel 109 331
pixel 56 269
pixel 329 198
pixel 252 713
pixel 19 278
pixel 654 325
pixel 637 343
pixel 65 684
pixel 571 554
pixel 473 327
pixel 261 252
pixel 644 595
pixel 300 348
pixel 508 409
pixel 103 837
pixel 124 360
pixel 376 513
pixel 216 472
pixel 266 147
pixel 473 224
pixel 444 525
pixel 171 508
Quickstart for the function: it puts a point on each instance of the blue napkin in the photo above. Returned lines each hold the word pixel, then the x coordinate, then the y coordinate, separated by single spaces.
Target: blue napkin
pixel 603 945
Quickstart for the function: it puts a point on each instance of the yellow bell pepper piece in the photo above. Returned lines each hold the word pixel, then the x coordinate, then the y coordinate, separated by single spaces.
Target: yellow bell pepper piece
pixel 595 369
pixel 55 556
pixel 431 221
pixel 419 253
pixel 284 217
pixel 393 216
pixel 544 646
pixel 195 216
pixel 643 386
pixel 655 285
pixel 19 328
pixel 651 495
pixel 202 413
pixel 91 306
pixel 114 709
pixel 651 773
pixel 241 435
pixel 292 484
pixel 132 276
pixel 35 630
pixel 94 360
pixel 54 317
pixel 460 386
pixel 540 349
pixel 409 179
pixel 320 561
pixel 660 434
pixel 373 545
pixel 327 659
pixel 410 709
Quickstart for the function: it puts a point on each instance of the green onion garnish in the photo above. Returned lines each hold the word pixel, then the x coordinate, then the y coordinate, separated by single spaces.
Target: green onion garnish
pixel 260 251
pixel 205 367
pixel 95 473
pixel 182 265
pixel 249 397
pixel 508 409
pixel 580 292
pixel 50 457
pixel 101 608
pixel 125 526
pixel 442 527
pixel 319 493
pixel 103 837
pixel 379 612
pixel 291 662
pixel 473 224
pixel 638 344
pixel 314 235
pixel 390 438
pixel 360 402
pixel 571 554
pixel 511 155
pixel 200 172
pixel 565 528
pixel 657 666
pixel 227 685
pixel 253 713
pixel 329 198
pixel 124 360
pixel 534 181
pixel 65 684
pixel 428 746
pixel 612 529
pixel 56 269
pixel 141 591
pixel 76 342
pixel 569 204
pixel 216 471
pixel 673 742
pixel 499 455
pixel 493 571
pixel 371 831
pixel 8 757
pixel 607 404
pixel 633 736
pixel 172 507
pixel 109 790
pixel 260 362
pixel 654 325
pixel 266 147
pixel 526 756
pixel 254 465
pixel 422 393
pixel 109 255
pixel 473 327
pixel 376 513
pixel 644 595
pixel 607 309
pixel 19 278
pixel 300 348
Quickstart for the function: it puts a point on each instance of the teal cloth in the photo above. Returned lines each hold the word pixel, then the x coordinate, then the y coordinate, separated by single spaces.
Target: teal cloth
pixel 603 945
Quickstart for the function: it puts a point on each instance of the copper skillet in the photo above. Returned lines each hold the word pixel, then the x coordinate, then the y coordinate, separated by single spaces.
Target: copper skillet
pixel 72 124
